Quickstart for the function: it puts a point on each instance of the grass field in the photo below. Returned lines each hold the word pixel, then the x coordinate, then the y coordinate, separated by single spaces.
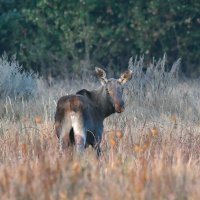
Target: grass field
pixel 151 151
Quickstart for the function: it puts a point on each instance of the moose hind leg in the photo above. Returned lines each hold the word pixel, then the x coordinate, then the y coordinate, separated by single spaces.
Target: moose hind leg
pixel 64 138
pixel 98 149
pixel 95 141
pixel 79 131
pixel 97 144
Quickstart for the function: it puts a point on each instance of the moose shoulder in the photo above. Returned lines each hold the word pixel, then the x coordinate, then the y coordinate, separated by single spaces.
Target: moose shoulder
pixel 79 117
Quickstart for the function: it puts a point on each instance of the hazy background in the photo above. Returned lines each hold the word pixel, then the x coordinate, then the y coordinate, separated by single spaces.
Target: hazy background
pixel 55 37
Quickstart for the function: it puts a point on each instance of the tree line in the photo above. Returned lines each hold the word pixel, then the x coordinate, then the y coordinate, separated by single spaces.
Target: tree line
pixel 55 37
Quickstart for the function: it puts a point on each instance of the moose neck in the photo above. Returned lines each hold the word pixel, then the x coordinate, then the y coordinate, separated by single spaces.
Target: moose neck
pixel 102 101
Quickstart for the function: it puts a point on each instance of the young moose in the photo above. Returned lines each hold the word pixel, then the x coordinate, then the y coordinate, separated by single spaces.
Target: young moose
pixel 79 118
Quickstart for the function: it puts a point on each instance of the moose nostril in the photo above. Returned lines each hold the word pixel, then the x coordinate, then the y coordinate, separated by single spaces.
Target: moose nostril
pixel 119 108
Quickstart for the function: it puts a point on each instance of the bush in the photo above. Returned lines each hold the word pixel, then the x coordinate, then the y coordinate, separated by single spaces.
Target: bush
pixel 59 37
pixel 13 81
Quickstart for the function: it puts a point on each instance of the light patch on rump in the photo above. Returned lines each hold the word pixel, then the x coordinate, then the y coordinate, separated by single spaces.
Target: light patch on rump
pixel 79 130
pixel 64 132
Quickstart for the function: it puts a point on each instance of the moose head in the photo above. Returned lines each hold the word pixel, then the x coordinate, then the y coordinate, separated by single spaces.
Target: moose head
pixel 114 87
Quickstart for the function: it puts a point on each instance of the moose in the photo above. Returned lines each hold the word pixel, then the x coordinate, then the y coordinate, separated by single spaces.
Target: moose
pixel 79 117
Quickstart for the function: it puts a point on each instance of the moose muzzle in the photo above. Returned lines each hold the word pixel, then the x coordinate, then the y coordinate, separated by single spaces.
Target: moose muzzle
pixel 119 107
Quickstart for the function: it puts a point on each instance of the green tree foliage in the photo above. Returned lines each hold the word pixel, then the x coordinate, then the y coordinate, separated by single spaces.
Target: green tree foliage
pixel 55 36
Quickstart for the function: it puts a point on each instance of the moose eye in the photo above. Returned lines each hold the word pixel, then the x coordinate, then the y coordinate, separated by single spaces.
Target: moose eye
pixel 107 90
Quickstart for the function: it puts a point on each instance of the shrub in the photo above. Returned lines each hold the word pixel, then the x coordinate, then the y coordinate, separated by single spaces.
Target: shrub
pixel 13 81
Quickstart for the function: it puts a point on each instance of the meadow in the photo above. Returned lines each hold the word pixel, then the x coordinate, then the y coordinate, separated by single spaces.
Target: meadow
pixel 150 151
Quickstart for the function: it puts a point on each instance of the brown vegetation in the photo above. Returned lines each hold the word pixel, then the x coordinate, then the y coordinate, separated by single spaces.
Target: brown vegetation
pixel 164 165
pixel 150 151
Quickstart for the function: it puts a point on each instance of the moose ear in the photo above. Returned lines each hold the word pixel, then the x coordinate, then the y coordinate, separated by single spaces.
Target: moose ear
pixel 101 74
pixel 126 76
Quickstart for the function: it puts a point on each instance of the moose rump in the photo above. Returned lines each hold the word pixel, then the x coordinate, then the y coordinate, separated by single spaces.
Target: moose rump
pixel 74 122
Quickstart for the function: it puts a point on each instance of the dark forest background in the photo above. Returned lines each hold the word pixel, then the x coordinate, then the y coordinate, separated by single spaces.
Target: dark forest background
pixel 55 37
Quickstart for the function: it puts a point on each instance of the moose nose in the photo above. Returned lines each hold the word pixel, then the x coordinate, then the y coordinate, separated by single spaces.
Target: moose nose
pixel 119 107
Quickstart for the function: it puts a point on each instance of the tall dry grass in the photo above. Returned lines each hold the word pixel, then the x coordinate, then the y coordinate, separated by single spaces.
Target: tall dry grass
pixel 151 151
